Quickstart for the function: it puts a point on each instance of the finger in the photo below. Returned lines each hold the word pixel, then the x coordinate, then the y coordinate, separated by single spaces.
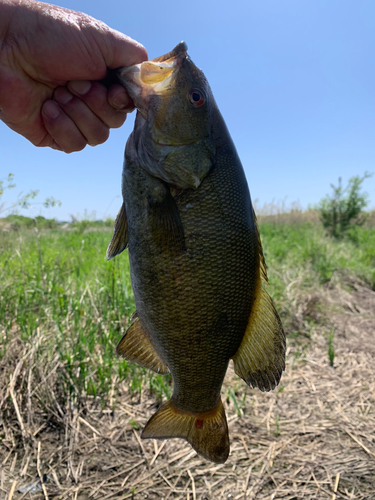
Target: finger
pixel 49 142
pixel 87 122
pixel 119 99
pixel 62 129
pixel 96 97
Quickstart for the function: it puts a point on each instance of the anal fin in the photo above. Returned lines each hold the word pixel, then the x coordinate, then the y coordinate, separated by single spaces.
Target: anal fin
pixel 260 359
pixel 119 239
pixel 207 432
pixel 136 346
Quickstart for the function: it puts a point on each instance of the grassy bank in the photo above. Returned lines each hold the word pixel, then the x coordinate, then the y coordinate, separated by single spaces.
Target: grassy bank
pixel 59 282
pixel 71 405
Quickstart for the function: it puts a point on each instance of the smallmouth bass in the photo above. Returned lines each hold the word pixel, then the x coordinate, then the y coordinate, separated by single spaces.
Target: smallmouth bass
pixel 196 259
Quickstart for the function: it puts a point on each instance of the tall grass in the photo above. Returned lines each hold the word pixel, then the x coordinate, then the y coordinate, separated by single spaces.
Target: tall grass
pixel 306 247
pixel 60 281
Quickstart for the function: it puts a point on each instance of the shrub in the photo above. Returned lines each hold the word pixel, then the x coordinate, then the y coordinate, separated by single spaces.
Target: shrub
pixel 343 209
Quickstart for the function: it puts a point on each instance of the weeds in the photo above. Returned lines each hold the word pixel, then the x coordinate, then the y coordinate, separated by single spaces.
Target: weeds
pixel 239 404
pixel 331 348
pixel 277 424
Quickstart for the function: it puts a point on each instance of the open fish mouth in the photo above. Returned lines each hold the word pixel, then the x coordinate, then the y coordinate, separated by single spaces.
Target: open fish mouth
pixel 152 77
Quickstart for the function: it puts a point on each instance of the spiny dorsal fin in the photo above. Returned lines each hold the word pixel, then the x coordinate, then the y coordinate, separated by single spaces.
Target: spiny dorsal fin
pixel 119 239
pixel 136 346
pixel 207 432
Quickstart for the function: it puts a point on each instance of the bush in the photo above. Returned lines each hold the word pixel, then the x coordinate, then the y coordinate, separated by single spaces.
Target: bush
pixel 343 209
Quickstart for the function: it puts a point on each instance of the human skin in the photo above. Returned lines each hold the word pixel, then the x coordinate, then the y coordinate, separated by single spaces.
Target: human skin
pixel 51 62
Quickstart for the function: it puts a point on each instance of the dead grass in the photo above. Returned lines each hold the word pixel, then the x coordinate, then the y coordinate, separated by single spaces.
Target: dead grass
pixel 283 213
pixel 313 437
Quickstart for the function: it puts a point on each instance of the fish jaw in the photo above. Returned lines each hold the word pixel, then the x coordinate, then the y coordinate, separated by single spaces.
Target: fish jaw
pixel 152 77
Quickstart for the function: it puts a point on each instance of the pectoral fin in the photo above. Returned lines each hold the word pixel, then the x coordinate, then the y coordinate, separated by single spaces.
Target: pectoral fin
pixel 119 239
pixel 136 346
pixel 260 359
pixel 165 222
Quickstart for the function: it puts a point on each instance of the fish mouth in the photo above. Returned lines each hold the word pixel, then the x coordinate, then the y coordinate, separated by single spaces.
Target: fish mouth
pixel 152 77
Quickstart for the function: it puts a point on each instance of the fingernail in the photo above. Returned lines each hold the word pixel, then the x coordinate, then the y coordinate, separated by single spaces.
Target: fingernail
pixel 80 87
pixel 51 110
pixel 62 95
pixel 123 102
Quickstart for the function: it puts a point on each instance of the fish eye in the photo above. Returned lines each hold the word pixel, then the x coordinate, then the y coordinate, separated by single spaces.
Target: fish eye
pixel 196 97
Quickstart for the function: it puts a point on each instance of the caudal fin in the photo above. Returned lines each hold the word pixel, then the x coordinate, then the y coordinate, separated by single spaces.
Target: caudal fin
pixel 207 432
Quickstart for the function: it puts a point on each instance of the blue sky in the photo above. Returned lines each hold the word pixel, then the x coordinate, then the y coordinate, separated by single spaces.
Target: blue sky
pixel 294 80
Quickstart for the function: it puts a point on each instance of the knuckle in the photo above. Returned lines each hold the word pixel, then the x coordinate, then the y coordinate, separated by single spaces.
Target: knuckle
pixel 99 137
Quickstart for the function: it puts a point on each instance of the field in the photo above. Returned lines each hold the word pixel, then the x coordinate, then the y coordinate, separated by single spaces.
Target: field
pixel 71 411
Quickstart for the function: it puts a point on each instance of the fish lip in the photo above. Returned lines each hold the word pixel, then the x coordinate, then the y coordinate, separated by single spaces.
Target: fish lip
pixel 152 77
pixel 178 50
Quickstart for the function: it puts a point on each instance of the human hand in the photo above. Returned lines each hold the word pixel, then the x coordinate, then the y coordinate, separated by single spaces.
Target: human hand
pixel 51 61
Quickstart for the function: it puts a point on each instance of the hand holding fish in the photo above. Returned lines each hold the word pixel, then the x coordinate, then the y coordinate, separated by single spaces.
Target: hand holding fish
pixel 51 61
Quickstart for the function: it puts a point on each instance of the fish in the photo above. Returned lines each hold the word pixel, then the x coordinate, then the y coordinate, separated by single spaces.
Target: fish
pixel 196 262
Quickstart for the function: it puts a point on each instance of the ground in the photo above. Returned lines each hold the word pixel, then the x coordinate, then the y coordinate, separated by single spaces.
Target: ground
pixel 312 437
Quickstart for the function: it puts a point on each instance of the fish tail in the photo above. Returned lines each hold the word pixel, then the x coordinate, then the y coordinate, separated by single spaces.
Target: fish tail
pixel 207 432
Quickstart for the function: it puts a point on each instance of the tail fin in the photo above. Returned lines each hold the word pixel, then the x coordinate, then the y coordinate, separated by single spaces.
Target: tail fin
pixel 207 432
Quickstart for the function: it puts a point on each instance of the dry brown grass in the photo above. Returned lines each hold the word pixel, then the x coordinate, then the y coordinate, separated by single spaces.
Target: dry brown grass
pixel 293 213
pixel 282 213
pixel 313 437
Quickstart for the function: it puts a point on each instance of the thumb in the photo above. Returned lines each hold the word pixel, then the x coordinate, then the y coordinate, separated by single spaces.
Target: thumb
pixel 120 50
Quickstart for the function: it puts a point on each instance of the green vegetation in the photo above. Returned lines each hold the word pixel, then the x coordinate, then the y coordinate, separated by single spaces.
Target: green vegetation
pixel 344 208
pixel 301 258
pixel 55 283
pixel 59 281
pixel 331 348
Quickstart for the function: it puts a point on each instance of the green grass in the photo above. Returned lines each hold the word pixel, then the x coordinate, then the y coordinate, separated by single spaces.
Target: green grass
pixel 59 281
pixel 302 258
pixel 306 246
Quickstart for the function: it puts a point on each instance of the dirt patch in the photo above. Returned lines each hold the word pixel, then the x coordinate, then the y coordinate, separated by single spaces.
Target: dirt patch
pixel 313 437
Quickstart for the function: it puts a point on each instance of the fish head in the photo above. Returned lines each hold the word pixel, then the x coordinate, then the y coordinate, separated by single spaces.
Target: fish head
pixel 173 131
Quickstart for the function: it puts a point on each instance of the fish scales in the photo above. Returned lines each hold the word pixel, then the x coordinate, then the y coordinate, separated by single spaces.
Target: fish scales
pixel 197 302
pixel 195 255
